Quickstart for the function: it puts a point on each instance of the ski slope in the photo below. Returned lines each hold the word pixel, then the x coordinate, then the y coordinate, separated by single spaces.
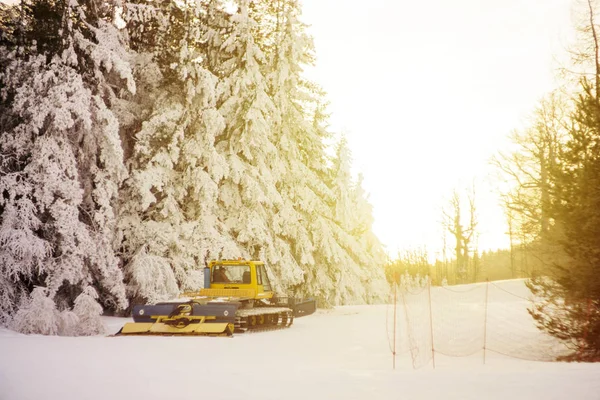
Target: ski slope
pixel 334 354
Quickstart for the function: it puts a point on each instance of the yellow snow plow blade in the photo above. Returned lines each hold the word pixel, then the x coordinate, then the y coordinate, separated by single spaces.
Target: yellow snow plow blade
pixel 191 326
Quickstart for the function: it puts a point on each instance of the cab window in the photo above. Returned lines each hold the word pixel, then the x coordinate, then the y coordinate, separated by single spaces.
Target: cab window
pixel 259 274
pixel 230 274
pixel 264 278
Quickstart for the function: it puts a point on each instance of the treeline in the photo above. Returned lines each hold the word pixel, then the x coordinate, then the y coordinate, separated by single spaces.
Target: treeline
pixel 140 139
pixel 491 265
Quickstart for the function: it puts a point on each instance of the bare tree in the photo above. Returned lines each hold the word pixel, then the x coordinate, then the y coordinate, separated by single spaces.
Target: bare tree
pixel 527 171
pixel 462 230
pixel 584 65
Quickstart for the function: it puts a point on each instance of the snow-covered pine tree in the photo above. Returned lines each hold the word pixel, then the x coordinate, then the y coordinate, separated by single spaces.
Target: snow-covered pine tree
pixel 298 222
pixel 247 195
pixel 362 230
pixel 61 160
pixel 308 220
pixel 169 223
pixel 285 51
pixel 37 314
pixel 88 312
pixel 361 270
pixel 333 270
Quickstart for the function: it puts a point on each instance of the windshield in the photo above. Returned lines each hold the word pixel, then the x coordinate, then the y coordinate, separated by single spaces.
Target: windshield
pixel 231 274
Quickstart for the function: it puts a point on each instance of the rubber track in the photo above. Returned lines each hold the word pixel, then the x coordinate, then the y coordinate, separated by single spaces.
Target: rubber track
pixel 284 314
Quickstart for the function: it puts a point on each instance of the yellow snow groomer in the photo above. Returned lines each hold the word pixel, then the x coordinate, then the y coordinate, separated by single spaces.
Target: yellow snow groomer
pixel 237 297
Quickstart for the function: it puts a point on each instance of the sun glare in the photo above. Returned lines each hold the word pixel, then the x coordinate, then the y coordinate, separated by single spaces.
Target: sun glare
pixel 427 93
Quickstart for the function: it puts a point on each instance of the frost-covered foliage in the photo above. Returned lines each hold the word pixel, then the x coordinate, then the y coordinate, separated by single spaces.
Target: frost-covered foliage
pixel 150 277
pixel 362 256
pixel 169 223
pixel 413 282
pixel 248 194
pixel 62 164
pixel 37 314
pixel 88 312
pixel 141 139
pixel 335 267
pixel 299 148
pixel 231 161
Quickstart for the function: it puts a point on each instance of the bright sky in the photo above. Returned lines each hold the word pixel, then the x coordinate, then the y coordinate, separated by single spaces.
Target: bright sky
pixel 426 92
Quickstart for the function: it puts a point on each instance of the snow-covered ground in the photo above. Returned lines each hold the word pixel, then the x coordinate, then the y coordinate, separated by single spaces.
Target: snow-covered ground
pixel 333 354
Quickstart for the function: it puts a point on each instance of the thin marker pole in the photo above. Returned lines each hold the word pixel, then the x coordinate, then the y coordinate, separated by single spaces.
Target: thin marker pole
pixel 487 287
pixel 394 352
pixel 431 325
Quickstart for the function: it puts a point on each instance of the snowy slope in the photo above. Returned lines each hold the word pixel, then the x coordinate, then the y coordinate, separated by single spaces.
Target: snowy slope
pixel 334 354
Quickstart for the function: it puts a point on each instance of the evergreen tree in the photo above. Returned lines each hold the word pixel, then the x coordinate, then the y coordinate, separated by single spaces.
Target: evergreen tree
pixel 362 230
pixel 318 259
pixel 61 157
pixel 170 223
pixel 293 135
pixel 247 193
pixel 570 300
pixel 361 266
pixel 302 221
